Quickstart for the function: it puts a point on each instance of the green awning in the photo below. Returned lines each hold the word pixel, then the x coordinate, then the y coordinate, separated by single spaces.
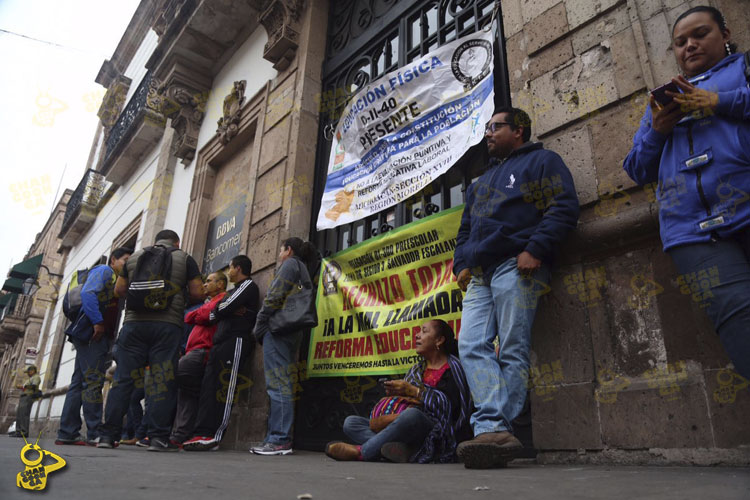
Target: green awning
pixel 13 285
pixel 27 268
pixel 8 299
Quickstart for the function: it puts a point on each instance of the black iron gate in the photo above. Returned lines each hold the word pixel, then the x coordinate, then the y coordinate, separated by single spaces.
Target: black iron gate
pixel 366 39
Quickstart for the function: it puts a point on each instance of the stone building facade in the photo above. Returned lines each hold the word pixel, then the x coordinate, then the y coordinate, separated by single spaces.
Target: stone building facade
pixel 211 105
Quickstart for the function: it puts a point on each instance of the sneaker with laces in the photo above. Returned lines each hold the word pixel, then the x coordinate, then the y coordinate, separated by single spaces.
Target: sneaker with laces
pixel 73 442
pixel 143 443
pixel 272 449
pixel 201 443
pixel 159 444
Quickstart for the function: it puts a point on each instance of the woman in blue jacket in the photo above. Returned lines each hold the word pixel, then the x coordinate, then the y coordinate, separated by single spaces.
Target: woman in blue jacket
pixel 697 147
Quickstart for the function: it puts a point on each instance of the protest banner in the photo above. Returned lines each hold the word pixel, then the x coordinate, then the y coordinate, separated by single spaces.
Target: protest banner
pixel 405 129
pixel 373 297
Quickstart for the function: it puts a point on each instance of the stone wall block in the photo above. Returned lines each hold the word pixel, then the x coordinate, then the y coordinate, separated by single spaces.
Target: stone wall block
pixel 280 102
pixel 561 339
pixel 576 90
pixel 546 28
pixel 548 59
pixel 649 418
pixel 647 8
pixel 612 131
pixel 512 17
pixel 600 30
pixel 737 15
pixel 531 9
pixel 729 404
pixel 574 146
pixel 515 52
pixel 565 418
pixel 635 324
pixel 687 331
pixel 628 74
pixel 275 146
pixel 268 192
pixel 581 11
pixel 659 48
pixel 263 252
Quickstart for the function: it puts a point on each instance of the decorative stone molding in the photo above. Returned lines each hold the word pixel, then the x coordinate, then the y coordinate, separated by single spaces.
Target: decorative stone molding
pixel 229 123
pixel 185 107
pixel 280 19
pixel 113 101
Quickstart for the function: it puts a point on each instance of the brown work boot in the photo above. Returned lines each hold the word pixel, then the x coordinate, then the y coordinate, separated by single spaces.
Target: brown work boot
pixel 338 450
pixel 489 450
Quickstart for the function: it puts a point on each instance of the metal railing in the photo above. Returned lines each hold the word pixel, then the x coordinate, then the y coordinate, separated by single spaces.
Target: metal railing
pixel 89 192
pixel 122 129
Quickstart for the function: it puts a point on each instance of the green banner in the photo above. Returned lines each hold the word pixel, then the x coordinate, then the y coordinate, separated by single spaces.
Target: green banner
pixel 373 298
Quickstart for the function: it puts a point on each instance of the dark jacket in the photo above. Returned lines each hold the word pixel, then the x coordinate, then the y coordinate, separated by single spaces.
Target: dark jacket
pixel 703 166
pixel 526 202
pixel 245 294
pixel 291 272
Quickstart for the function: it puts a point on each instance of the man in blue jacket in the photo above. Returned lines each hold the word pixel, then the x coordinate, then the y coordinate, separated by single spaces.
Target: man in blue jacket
pixel 516 215
pixel 91 334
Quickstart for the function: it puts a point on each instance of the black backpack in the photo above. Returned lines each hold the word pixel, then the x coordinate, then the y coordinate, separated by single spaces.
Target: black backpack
pixel 150 289
pixel 72 299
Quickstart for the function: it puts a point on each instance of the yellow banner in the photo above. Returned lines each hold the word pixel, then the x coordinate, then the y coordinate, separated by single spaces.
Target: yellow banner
pixel 373 298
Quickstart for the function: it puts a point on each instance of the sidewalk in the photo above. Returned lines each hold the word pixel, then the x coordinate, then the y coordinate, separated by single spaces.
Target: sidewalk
pixel 133 473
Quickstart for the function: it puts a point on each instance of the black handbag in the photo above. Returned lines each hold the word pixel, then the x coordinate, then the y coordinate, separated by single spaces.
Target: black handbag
pixel 298 312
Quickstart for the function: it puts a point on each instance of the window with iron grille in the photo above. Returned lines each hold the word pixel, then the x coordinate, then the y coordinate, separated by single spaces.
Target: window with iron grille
pixel 367 39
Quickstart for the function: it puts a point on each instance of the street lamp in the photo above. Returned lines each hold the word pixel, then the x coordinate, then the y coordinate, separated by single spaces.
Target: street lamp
pixel 30 286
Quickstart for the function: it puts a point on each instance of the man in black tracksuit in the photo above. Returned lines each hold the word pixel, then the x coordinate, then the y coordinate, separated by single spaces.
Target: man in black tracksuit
pixel 233 342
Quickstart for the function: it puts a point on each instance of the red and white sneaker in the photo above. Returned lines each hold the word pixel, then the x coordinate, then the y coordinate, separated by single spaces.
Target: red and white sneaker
pixel 201 443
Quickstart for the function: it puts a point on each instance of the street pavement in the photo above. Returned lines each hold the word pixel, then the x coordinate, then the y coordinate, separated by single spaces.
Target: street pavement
pixel 133 473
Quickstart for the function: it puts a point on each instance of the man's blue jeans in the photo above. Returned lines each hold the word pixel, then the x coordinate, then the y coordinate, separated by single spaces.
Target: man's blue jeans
pixel 280 366
pixel 411 427
pixel 85 390
pixel 501 309
pixel 141 343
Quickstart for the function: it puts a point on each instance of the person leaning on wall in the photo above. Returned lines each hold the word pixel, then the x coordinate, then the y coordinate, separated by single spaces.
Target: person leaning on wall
pixel 280 349
pixel 696 145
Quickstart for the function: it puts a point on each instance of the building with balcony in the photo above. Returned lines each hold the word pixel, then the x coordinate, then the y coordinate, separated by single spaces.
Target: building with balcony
pixel 31 293
pixel 218 107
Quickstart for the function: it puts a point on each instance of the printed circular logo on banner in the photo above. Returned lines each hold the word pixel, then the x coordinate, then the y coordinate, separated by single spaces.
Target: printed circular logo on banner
pixel 331 275
pixel 471 62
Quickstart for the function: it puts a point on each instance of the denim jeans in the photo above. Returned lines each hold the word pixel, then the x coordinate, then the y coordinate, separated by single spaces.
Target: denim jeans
pixel 85 390
pixel 726 298
pixel 502 309
pixel 141 343
pixel 279 359
pixel 136 422
pixel 411 427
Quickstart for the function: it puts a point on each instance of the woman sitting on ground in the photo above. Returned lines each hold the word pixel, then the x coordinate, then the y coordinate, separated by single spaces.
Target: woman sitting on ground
pixel 428 431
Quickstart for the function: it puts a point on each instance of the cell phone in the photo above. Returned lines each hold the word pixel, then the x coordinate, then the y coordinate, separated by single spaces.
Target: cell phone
pixel 383 380
pixel 660 93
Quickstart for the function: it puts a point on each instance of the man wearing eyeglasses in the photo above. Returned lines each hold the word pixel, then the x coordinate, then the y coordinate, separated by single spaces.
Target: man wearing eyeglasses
pixel 516 215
